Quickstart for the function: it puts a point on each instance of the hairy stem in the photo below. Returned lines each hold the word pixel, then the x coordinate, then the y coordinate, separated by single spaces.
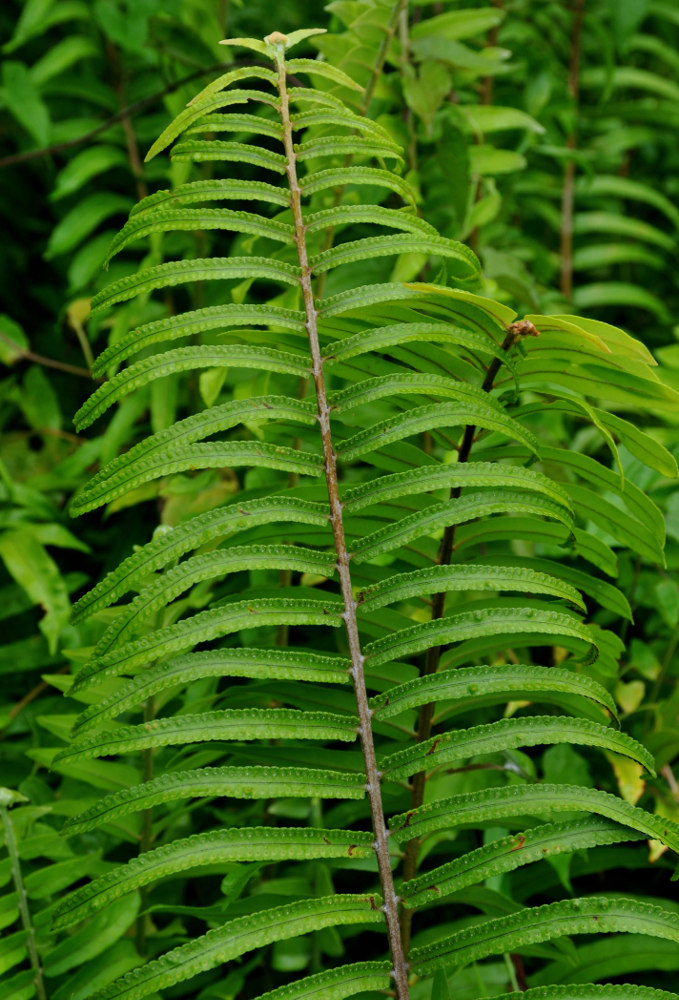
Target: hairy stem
pixel 426 715
pixel 13 852
pixel 390 904
pixel 568 192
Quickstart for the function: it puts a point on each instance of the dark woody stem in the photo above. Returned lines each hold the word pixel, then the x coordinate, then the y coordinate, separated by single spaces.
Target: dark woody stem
pixel 390 900
pixel 514 333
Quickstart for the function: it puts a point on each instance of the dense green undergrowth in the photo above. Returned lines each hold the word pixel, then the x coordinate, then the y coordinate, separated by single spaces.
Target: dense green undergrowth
pixel 389 532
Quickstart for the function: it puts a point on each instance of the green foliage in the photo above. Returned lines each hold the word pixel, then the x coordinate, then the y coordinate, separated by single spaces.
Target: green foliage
pixel 456 604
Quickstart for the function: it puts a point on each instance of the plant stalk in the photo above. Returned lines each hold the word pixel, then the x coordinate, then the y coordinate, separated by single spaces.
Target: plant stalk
pixel 381 846
pixel 424 724
pixel 15 860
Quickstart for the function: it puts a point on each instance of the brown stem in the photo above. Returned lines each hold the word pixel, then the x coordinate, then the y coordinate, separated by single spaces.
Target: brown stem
pixel 381 846
pixel 131 143
pixel 486 94
pixel 568 193
pixel 25 355
pixel 514 332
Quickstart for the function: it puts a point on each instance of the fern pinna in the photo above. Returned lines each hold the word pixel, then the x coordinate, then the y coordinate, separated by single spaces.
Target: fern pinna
pixel 434 539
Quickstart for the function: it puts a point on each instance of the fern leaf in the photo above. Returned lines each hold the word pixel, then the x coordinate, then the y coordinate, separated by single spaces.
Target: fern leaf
pixel 213 624
pixel 217 847
pixel 591 991
pixel 457 511
pixel 343 145
pixel 229 724
pixel 239 936
pixel 197 321
pixel 173 220
pixel 381 338
pixel 510 733
pixel 423 418
pixel 216 150
pixel 513 801
pixel 214 565
pixel 210 782
pixel 243 123
pixel 472 686
pixel 392 246
pixel 434 477
pixel 512 852
pixel 179 272
pixel 186 359
pixel 281 664
pixel 219 189
pixel 211 99
pixel 333 177
pixel 185 458
pixel 346 119
pixel 347 215
pixel 545 923
pixel 200 530
pixel 347 981
pixel 315 67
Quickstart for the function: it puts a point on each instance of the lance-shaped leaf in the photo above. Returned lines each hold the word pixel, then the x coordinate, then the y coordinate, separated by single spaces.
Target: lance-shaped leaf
pixel 170 545
pixel 444 579
pixel 214 189
pixel 593 991
pixel 339 983
pixel 212 624
pixel 181 272
pixel 469 687
pixel 457 511
pixel 272 664
pixel 210 782
pixel 594 915
pixel 492 804
pixel 508 734
pixel 216 150
pixel 224 317
pixel 239 936
pixel 509 853
pixel 334 177
pixel 190 457
pixel 209 567
pixel 214 848
pixel 347 215
pixel 383 337
pixel 229 724
pixel 393 245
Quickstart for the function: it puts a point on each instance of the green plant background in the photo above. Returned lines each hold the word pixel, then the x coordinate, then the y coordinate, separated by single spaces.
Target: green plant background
pixel 506 111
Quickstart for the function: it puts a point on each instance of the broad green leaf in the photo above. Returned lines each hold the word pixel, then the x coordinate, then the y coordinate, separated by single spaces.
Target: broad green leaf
pixel 272 664
pixel 22 98
pixel 235 782
pixel 84 166
pixel 240 936
pixel 28 562
pixel 215 623
pixel 217 847
pixel 544 923
pixel 223 317
pixel 184 458
pixel 484 685
pixel 92 939
pixel 459 23
pixel 510 733
pixel 492 804
pixel 484 118
pixel 509 853
pixel 83 219
pixel 171 544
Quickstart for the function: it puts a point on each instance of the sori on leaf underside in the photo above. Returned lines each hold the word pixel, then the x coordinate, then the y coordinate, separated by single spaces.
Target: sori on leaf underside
pixel 411 539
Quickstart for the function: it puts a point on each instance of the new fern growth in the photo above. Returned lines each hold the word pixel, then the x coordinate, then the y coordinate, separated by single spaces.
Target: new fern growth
pixel 412 437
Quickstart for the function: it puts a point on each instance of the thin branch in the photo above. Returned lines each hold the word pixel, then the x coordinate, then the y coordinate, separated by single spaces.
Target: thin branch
pixel 120 116
pixel 514 333
pixel 39 359
pixel 15 861
pixel 390 899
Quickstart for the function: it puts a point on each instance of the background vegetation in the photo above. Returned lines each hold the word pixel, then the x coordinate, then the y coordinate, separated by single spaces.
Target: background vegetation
pixel 541 133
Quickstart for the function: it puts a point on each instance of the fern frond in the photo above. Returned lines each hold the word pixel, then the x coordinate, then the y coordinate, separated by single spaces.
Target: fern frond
pixel 213 189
